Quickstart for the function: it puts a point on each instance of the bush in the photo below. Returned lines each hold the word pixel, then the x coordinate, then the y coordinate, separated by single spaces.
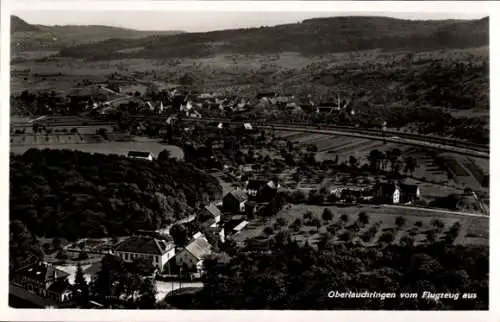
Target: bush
pixel 400 221
pixel 327 214
pixel 418 224
pixel 344 218
pixel 268 230
pixel 346 236
pixel 438 224
pixel 387 237
pixel 363 218
pixel 308 215
pixel 83 256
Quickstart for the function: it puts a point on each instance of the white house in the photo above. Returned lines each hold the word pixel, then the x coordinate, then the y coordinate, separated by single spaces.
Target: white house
pixel 140 155
pixel 155 250
pixel 191 257
pixel 248 126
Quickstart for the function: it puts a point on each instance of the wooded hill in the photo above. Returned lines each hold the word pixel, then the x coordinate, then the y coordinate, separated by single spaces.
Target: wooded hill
pixel 27 36
pixel 71 194
pixel 310 37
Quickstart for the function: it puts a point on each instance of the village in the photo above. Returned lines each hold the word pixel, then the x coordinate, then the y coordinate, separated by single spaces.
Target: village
pixel 216 171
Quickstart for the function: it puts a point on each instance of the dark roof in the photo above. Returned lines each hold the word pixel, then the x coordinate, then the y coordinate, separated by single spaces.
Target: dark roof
pixel 212 209
pixel 42 272
pixel 256 184
pixel 139 154
pixel 386 188
pixel 199 247
pixel 59 286
pixel 408 189
pixel 238 195
pixel 144 245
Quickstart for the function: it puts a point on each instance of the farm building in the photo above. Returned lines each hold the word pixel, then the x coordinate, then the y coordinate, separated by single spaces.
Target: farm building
pixel 191 257
pixel 140 155
pixel 157 251
pixel 235 201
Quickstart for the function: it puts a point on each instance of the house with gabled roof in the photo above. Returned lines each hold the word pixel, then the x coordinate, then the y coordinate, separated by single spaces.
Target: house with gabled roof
pixel 235 201
pixel 210 214
pixel 192 255
pixel 44 280
pixel 157 251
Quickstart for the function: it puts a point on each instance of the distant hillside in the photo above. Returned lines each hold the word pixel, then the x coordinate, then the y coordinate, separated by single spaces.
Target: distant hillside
pixel 310 37
pixel 26 36
pixel 19 25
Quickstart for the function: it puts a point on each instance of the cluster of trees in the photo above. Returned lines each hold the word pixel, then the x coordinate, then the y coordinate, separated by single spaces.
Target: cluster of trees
pixel 71 194
pixel 392 159
pixel 295 277
pixel 118 284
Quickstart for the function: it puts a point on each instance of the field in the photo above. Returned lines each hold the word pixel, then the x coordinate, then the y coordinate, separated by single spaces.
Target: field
pixel 474 230
pixel 121 148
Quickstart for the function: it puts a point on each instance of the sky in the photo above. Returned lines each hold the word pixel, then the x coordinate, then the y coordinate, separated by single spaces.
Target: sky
pixel 198 21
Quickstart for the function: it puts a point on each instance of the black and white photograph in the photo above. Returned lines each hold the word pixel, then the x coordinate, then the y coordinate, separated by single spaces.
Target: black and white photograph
pixel 312 160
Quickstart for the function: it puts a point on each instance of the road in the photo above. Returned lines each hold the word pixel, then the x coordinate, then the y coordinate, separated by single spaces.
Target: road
pixel 442 211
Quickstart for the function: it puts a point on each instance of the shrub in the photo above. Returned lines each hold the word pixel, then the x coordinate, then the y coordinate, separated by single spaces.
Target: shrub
pixel 327 214
pixel 400 221
pixel 269 230
pixel 308 215
pixel 363 218
pixel 387 238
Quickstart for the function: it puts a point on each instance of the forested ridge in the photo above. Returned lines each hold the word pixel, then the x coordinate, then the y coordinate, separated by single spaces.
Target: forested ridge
pixel 310 37
pixel 71 194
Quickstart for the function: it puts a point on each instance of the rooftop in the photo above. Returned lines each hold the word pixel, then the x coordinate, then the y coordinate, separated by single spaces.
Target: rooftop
pixel 144 245
pixel 42 271
pixel 239 195
pixel 213 210
pixel 199 247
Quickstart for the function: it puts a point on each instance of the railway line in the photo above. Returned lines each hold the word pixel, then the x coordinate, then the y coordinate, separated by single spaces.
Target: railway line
pixel 444 144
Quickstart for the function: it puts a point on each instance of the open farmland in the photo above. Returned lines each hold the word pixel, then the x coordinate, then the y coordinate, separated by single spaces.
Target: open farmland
pixel 417 223
pixel 120 148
